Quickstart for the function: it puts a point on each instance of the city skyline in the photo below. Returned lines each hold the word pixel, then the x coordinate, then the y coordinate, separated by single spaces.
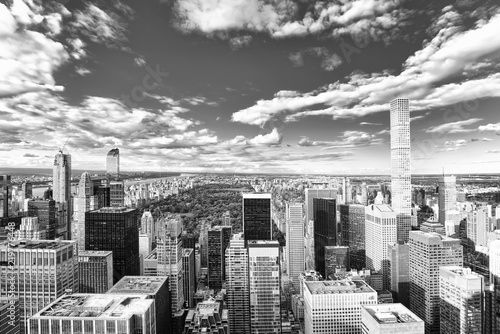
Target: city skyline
pixel 248 86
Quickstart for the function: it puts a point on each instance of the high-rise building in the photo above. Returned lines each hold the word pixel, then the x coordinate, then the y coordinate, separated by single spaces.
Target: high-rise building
pixel 30 229
pixel 429 252
pixel 116 194
pixel 45 270
pixel 401 165
pixel 399 258
pixel 461 300
pixel 295 242
pixel 311 194
pixel 45 210
pixel 96 313
pixel 102 191
pixel 170 253
pixel 325 229
pixel 380 232
pixel 27 188
pixel 5 195
pixel 209 317
pixel 85 192
pixel 150 264
pixel 447 198
pixel 237 280
pixel 478 226
pixel 95 271
pixel 62 178
pixel 336 257
pixel 257 222
pixel 352 227
pixel 189 276
pixel 155 288
pixel 335 306
pixel 204 244
pixel 9 315
pixel 116 230
pixel 113 162
pixel 265 286
pixel 390 318
pixel 218 241
pixel 494 314
pixel 226 219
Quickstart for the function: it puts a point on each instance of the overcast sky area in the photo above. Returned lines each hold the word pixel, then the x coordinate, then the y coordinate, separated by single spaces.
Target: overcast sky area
pixel 249 86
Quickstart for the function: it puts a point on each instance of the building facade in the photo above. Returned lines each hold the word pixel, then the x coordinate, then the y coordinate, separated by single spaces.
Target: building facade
pixel 325 229
pixel 189 266
pixel 45 210
pixel 447 197
pixel 399 259
pixel 113 163
pixel 336 257
pixel 390 319
pixel 218 241
pixel 257 222
pixel 295 242
pixel 95 270
pixel 61 185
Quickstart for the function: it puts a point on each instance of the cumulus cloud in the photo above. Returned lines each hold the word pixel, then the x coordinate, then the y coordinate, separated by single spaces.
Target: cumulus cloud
pixel 328 61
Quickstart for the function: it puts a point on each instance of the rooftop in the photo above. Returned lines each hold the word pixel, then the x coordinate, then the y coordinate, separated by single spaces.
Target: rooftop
pixel 262 243
pixel 139 284
pixel 37 244
pixel 96 306
pixel 89 253
pixel 259 196
pixel 391 313
pixel 153 255
pixel 337 287
pixel 113 210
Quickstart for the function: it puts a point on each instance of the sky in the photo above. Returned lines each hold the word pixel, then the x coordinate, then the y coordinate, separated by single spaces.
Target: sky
pixel 249 86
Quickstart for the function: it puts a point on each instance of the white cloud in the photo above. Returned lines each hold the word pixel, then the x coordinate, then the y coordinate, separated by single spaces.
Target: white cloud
pixel 454 127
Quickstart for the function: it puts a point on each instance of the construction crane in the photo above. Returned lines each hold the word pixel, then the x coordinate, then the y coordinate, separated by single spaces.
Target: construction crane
pixel 62 148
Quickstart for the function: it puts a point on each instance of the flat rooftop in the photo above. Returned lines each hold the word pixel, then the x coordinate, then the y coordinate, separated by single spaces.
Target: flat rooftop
pixel 113 210
pixel 258 196
pixel 91 253
pixel 102 306
pixel 139 284
pixel 37 244
pixel 391 313
pixel 337 287
pixel 263 243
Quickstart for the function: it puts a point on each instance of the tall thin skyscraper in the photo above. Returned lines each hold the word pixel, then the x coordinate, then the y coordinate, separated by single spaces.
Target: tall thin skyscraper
pixel 401 165
pixel 352 227
pixel 265 286
pixel 62 178
pixel 113 162
pixel 447 199
pixel 429 252
pixel 325 229
pixel 257 222
pixel 5 195
pixel 295 242
pixel 218 241
pixel 238 290
pixel 189 266
pixel 400 272
pixel 495 281
pixel 85 192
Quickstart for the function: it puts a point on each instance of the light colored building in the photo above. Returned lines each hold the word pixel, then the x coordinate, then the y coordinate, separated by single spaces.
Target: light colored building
pixel 390 319
pixel 265 286
pixel 96 313
pixel 45 271
pixel 401 164
pixel 117 194
pixel 433 227
pixel 84 200
pixel 429 252
pixel 478 226
pixel 30 229
pixel 295 242
pixel 113 162
pixel 447 199
pixel 61 183
pixel 170 253
pixel 209 317
pixel 150 263
pixel 461 299
pixel 380 232
pixel 95 270
pixel 335 306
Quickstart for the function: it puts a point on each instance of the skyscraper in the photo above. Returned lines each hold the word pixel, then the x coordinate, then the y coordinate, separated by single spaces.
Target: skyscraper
pixel 495 282
pixel 311 194
pixel 62 178
pixel 170 253
pixel 95 270
pixel 9 315
pixel 85 192
pixel 117 194
pixel 265 284
pixel 325 229
pixel 461 300
pixel 238 291
pixel 45 210
pixel 189 266
pixel 116 230
pixel 295 242
pixel 400 272
pixel 381 231
pixel 45 270
pixel 429 252
pixel 401 165
pixel 352 227
pixel 5 195
pixel 257 223
pixel 218 241
pixel 113 162
pixel 447 198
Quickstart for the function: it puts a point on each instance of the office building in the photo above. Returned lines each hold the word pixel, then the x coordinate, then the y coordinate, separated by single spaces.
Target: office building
pixel 170 253
pixel 380 232
pixel 429 252
pixel 95 271
pixel 45 210
pixel 237 285
pixel 9 315
pixel 401 165
pixel 155 288
pixel 295 242
pixel 30 229
pixel 96 313
pixel 189 276
pixel 45 270
pixel 116 230
pixel 352 231
pixel 478 226
pixel 257 223
pixel 265 286
pixel 102 191
pixel 447 198
pixel 399 259
pixel 461 300
pixel 311 194
pixel 113 163
pixel 85 193
pixel 27 188
pixel 117 194
pixel 5 195
pixel 336 257
pixel 209 317
pixel 218 241
pixel 335 306
pixel 203 240
pixel 61 184
pixel 150 264
pixel 494 293
pixel 390 318
pixel 325 229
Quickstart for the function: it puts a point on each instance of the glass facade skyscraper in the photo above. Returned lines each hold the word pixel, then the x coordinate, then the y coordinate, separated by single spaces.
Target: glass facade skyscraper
pixel 257 223
pixel 325 229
